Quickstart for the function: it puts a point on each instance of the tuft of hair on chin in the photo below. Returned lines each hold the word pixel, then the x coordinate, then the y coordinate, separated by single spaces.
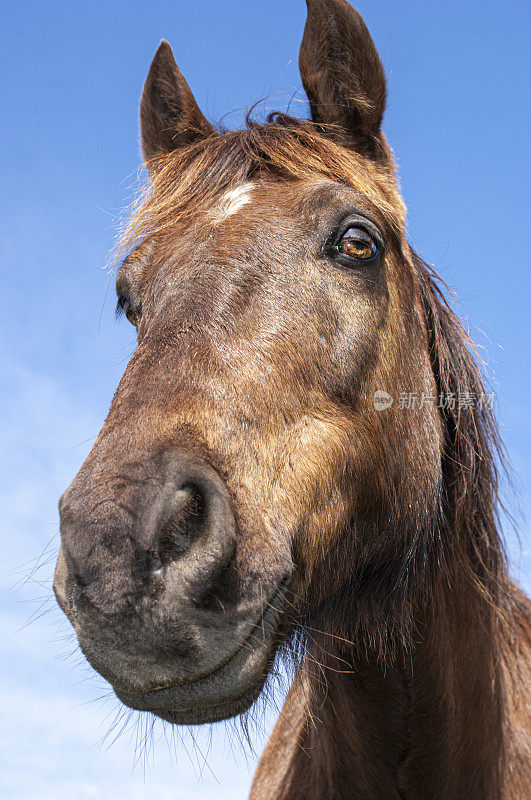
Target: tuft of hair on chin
pixel 250 729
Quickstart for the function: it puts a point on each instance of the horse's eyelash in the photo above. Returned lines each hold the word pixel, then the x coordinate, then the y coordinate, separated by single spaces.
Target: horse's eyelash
pixel 118 310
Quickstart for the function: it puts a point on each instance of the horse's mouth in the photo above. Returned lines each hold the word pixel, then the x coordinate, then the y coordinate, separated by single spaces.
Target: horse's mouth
pixel 226 691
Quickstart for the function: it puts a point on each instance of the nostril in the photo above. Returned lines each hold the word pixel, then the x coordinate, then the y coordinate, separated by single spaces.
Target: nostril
pixel 67 585
pixel 76 598
pixel 170 543
pixel 185 524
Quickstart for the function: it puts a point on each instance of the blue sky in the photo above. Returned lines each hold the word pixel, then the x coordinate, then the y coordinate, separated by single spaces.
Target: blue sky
pixel 458 120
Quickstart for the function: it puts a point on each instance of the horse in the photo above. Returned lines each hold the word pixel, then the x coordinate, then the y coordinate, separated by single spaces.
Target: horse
pixel 261 489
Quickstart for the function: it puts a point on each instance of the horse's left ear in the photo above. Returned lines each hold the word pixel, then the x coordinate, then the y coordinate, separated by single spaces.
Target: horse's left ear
pixel 342 73
pixel 169 115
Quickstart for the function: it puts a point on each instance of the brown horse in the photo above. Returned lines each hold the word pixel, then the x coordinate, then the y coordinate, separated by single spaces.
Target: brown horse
pixel 255 492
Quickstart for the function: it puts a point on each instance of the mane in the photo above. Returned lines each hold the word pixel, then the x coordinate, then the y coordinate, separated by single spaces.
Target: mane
pixel 473 451
pixel 191 178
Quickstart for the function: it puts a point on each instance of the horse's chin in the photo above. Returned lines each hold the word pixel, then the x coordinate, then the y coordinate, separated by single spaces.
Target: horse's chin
pixel 225 692
pixel 221 708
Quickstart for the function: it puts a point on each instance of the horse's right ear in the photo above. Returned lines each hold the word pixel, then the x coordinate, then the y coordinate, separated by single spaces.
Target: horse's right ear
pixel 169 115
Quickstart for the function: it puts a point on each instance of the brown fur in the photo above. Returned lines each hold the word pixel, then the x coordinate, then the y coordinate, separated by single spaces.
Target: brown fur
pixel 260 356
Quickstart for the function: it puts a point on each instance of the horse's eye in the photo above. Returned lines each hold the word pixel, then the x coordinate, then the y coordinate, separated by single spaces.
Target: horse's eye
pixel 133 314
pixel 358 244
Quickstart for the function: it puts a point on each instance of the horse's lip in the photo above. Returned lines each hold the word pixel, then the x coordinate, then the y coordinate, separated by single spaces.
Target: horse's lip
pixel 179 697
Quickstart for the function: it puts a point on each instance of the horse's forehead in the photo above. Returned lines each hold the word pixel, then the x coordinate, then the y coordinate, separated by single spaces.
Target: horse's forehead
pixel 232 200
pixel 261 193
pixel 306 208
pixel 292 197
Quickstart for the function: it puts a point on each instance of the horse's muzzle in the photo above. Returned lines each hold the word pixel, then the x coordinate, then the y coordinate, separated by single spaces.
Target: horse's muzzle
pixel 148 577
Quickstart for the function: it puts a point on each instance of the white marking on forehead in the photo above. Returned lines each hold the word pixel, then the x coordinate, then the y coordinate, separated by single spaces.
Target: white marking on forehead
pixel 233 200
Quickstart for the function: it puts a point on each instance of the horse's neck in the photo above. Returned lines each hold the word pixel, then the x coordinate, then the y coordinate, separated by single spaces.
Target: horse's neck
pixel 430 726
